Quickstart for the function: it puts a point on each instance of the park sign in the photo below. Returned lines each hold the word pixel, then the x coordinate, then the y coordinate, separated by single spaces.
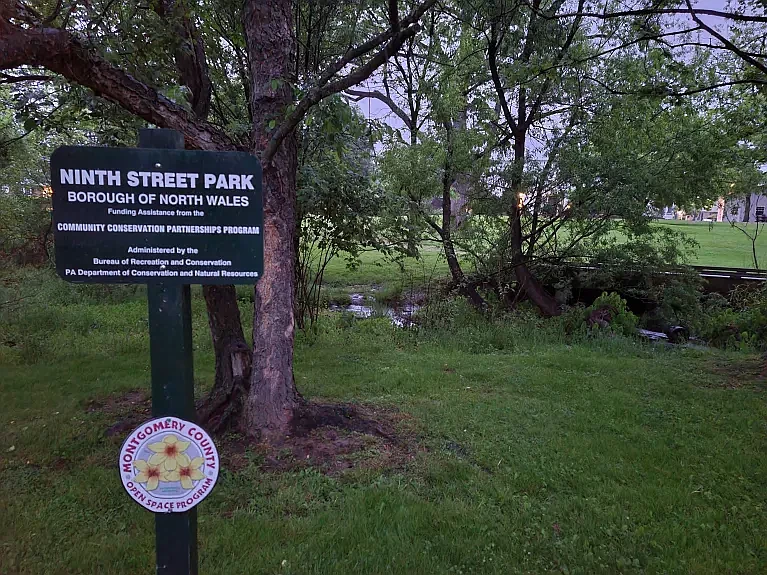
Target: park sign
pixel 142 215
pixel 167 217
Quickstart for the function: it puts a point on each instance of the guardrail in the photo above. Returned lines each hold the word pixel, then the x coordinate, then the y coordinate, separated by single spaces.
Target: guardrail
pixel 735 273
pixel 718 279
pixel 724 280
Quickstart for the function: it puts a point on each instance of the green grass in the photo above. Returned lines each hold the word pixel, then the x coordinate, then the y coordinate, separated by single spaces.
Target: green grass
pixel 723 246
pixel 536 455
pixel 375 269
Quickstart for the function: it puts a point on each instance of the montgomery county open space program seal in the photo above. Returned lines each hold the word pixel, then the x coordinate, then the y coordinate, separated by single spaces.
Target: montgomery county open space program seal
pixel 168 465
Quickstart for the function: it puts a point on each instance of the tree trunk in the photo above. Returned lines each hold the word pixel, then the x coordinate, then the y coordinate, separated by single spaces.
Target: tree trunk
pixel 467 290
pixel 273 398
pixel 224 404
pixel 225 401
pixel 528 283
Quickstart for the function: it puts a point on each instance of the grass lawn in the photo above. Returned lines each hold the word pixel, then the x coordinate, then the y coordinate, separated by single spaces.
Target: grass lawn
pixel 531 455
pixel 722 245
pixel 375 269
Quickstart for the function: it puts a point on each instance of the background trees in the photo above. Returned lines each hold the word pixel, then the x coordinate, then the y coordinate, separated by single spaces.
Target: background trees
pixel 583 119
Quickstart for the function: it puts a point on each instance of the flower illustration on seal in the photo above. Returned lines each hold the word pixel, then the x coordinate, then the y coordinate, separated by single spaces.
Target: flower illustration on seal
pixel 169 452
pixel 187 471
pixel 149 474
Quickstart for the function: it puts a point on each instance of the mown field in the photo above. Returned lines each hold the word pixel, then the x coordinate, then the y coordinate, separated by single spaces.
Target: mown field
pixel 518 450
pixel 722 245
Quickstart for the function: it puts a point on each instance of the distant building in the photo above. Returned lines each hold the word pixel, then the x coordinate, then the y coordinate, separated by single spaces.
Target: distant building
pixel 673 213
pixel 750 209
pixel 715 213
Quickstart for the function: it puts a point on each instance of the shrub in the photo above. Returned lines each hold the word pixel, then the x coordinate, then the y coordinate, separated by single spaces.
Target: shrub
pixel 25 229
pixel 390 294
pixel 610 311
pixel 742 324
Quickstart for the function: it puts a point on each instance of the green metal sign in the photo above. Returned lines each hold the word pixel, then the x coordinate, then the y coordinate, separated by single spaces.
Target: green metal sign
pixel 142 215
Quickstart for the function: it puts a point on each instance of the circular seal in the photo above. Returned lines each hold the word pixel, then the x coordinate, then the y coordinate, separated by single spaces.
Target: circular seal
pixel 168 465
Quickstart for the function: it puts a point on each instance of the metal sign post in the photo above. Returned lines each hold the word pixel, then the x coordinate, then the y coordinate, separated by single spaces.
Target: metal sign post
pixel 166 217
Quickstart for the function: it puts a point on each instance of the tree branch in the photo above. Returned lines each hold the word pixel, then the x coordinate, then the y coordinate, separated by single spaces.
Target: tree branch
pixel 189 54
pixel 729 45
pixel 323 88
pixel 48 116
pixel 377 95
pixel 492 59
pixel 54 14
pixel 393 16
pixel 665 92
pixel 658 12
pixel 547 83
pixel 367 47
pixel 12 79
pixel 61 52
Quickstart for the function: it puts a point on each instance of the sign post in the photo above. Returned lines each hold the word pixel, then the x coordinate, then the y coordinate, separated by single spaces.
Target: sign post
pixel 166 217
pixel 170 352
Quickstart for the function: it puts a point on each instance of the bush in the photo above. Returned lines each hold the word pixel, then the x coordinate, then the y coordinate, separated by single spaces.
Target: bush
pixel 610 311
pixel 447 313
pixel 680 302
pixel 335 296
pixel 740 325
pixel 573 321
pixel 25 230
pixel 390 294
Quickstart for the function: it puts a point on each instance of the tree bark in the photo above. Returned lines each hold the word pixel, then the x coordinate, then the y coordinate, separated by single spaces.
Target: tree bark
pixel 273 397
pixel 224 404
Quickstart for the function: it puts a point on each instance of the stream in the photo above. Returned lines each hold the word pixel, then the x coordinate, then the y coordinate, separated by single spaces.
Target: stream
pixel 362 306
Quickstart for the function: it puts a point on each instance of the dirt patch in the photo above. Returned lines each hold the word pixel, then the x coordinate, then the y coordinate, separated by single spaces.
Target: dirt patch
pixel 363 419
pixel 745 373
pixel 331 437
pixel 128 409
pixel 337 437
pixel 236 451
